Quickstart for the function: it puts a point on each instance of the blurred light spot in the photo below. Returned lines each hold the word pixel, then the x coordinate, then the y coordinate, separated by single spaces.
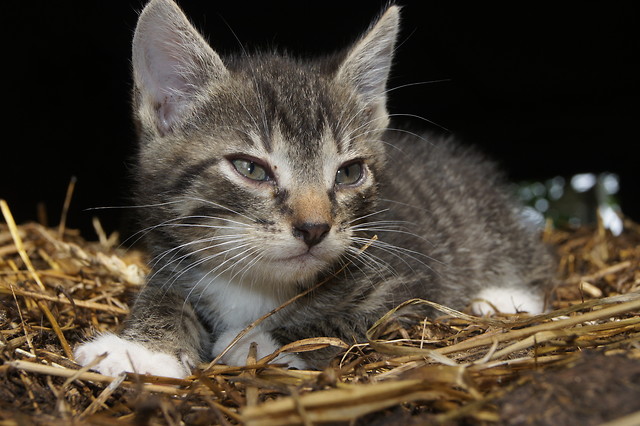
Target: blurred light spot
pixel 538 189
pixel 541 205
pixel 526 194
pixel 533 217
pixel 611 183
pixel 583 182
pixel 556 188
pixel 611 220
pixel 574 221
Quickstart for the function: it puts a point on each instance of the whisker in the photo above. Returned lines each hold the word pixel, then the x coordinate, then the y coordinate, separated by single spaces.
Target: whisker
pixel 370 261
pixel 202 200
pixel 227 239
pixel 419 117
pixel 169 222
pixel 405 204
pixel 215 270
pixel 368 215
pixel 418 83
pixel 205 259
pixel 401 224
pixel 397 231
pixel 400 252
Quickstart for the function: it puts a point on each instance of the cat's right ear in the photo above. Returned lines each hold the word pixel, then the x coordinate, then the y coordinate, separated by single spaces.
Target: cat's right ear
pixel 171 63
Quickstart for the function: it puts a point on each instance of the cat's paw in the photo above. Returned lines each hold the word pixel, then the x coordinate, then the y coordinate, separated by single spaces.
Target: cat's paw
pixel 126 355
pixel 507 301
pixel 266 345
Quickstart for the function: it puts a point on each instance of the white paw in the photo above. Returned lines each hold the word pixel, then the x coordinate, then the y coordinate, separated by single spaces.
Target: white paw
pixel 125 355
pixel 237 355
pixel 507 301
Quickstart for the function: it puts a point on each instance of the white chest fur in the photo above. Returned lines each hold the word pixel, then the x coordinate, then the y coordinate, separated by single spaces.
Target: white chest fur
pixel 237 305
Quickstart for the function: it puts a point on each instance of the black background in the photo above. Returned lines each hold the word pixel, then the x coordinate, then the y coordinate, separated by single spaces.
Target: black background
pixel 545 88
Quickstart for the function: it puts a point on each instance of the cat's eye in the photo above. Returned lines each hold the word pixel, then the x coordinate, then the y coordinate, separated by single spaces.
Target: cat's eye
pixel 251 169
pixel 350 174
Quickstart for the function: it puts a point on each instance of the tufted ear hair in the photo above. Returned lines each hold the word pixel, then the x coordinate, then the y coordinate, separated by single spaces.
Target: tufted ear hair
pixel 367 64
pixel 171 63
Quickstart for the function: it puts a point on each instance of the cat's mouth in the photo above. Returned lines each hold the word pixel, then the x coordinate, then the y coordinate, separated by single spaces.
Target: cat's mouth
pixel 307 258
pixel 307 262
pixel 303 257
pixel 296 267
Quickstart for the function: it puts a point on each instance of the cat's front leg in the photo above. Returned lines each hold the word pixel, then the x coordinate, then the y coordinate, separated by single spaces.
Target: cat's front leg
pixel 126 355
pixel 266 345
pixel 162 336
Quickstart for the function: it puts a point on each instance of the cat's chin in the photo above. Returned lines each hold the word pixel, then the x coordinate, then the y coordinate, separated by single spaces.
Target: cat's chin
pixel 297 268
pixel 302 261
pixel 303 258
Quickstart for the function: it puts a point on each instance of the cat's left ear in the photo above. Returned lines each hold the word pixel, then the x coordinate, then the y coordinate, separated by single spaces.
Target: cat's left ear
pixel 366 66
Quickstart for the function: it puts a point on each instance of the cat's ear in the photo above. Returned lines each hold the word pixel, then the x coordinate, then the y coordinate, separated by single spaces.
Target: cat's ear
pixel 171 63
pixel 367 64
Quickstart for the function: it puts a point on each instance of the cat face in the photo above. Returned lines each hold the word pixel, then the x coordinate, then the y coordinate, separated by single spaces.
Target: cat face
pixel 259 166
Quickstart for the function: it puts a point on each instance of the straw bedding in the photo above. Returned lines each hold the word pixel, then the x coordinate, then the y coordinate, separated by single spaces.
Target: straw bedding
pixel 577 364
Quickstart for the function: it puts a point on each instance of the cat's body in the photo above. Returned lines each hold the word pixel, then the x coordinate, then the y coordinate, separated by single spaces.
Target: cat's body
pixel 264 175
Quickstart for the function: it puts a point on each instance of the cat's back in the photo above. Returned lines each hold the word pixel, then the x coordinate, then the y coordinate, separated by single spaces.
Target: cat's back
pixel 434 173
pixel 458 216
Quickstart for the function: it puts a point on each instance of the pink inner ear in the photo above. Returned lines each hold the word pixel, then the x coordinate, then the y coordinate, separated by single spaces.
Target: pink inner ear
pixel 162 73
pixel 171 62
pixel 367 65
pixel 166 112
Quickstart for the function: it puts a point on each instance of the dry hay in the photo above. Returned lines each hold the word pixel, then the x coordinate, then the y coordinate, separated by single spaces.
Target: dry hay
pixel 578 364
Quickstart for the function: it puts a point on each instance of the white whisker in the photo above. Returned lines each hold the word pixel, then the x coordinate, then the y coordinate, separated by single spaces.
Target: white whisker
pixel 201 261
pixel 368 215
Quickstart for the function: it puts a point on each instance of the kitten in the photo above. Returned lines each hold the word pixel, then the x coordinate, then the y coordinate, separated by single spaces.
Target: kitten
pixel 263 174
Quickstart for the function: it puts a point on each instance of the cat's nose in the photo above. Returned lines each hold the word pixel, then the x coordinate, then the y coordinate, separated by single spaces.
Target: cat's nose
pixel 311 233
